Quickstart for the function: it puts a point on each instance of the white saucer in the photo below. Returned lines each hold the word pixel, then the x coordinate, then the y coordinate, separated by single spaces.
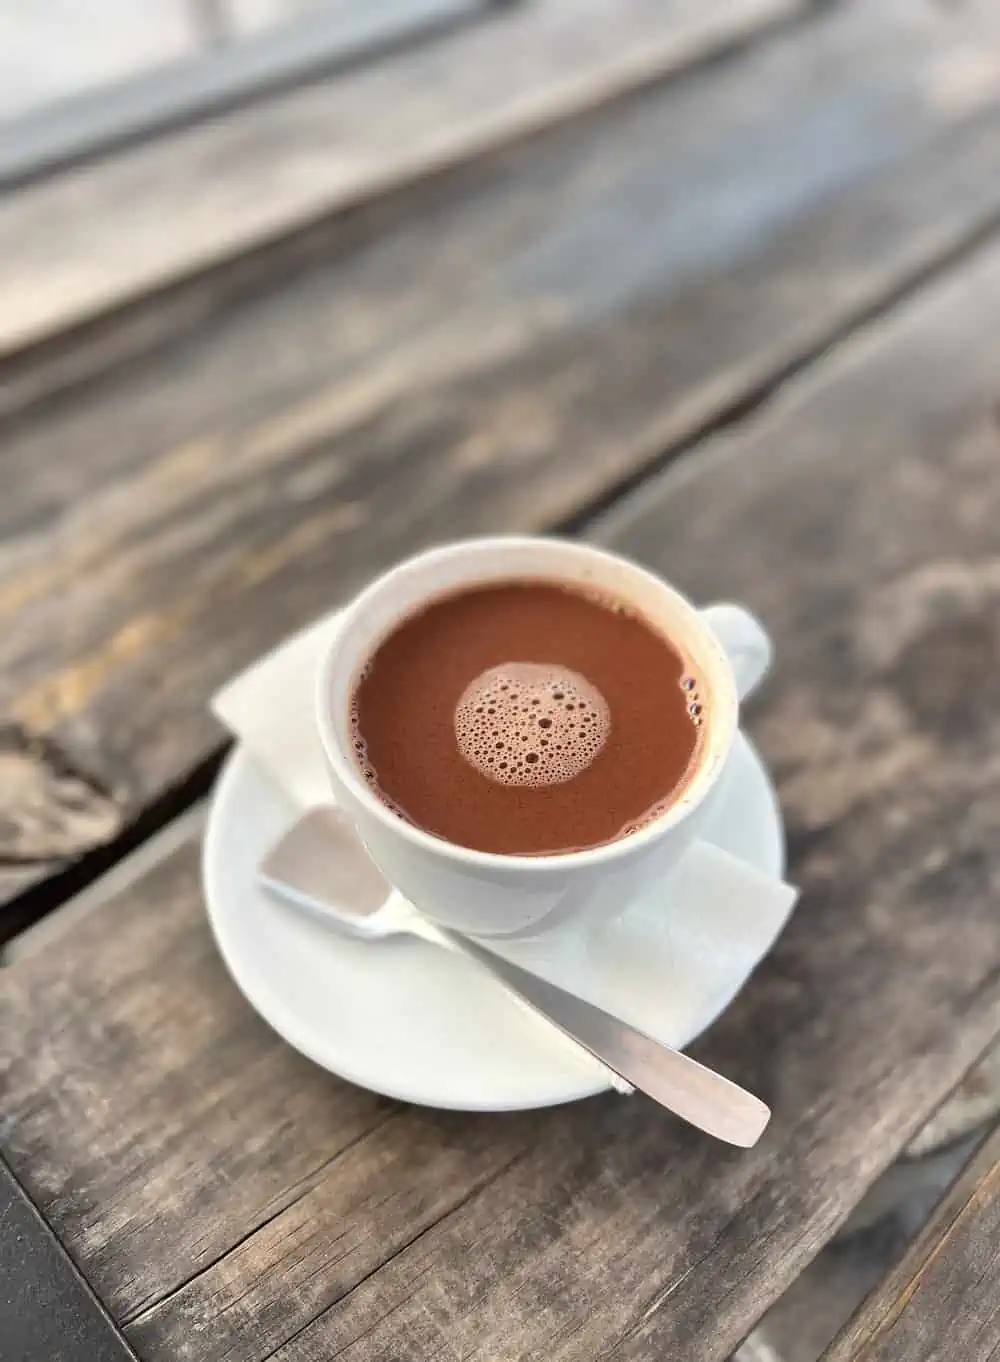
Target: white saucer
pixel 417 1023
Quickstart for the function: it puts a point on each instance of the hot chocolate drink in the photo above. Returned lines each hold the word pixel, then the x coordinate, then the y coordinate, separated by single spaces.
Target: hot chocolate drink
pixel 527 718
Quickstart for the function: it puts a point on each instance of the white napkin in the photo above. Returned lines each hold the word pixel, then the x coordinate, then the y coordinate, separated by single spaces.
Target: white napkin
pixel 269 709
pixel 655 965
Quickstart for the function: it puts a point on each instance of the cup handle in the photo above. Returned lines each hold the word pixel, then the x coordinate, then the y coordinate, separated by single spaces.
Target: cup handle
pixel 745 642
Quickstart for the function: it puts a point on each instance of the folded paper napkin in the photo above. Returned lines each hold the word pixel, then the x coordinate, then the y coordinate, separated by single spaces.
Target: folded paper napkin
pixel 269 709
pixel 663 969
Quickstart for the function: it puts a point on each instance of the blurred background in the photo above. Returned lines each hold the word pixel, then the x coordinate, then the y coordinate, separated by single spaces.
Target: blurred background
pixel 132 66
pixel 53 48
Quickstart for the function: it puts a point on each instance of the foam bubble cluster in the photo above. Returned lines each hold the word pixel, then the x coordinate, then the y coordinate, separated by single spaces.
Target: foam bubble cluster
pixel 531 723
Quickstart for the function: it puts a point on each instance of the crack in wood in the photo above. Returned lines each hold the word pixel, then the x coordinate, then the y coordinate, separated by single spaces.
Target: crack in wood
pixel 52 881
pixel 475 1190
pixel 307 1184
pixel 54 809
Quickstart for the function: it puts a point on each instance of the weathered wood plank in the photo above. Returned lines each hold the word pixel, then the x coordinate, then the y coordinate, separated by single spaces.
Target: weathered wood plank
pixel 215 74
pixel 160 211
pixel 859 512
pixel 304 1125
pixel 575 309
pixel 943 1300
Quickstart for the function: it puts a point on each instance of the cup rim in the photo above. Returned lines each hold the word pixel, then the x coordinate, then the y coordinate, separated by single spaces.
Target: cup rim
pixel 725 719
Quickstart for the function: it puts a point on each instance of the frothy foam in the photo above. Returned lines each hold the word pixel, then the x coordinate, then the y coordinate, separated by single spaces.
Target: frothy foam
pixel 530 723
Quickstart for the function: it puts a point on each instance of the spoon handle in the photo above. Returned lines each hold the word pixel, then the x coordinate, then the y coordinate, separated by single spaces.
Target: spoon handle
pixel 700 1096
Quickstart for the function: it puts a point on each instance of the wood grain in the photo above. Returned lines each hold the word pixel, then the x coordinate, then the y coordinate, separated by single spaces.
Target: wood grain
pixel 164 209
pixel 858 512
pixel 537 331
pixel 943 1300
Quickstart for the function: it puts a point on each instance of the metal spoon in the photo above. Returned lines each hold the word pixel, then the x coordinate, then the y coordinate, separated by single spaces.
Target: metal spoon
pixel 320 866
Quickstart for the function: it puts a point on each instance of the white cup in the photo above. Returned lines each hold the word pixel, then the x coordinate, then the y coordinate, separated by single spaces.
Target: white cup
pixel 490 895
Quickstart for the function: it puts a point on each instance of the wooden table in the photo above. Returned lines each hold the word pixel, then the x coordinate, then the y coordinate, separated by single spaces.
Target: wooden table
pixel 942 1300
pixel 715 283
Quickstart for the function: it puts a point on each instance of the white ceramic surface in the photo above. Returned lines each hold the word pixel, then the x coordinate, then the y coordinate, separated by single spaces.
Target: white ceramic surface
pixel 417 1023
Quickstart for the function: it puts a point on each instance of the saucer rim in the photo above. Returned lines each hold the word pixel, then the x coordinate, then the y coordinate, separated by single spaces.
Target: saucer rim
pixel 275 1014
